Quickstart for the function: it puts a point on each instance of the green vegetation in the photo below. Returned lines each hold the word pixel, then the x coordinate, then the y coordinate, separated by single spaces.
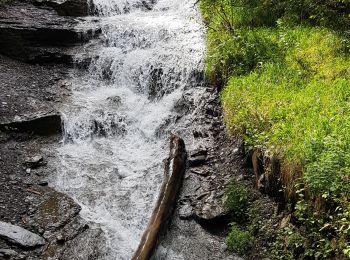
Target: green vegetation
pixel 239 241
pixel 236 200
pixel 286 68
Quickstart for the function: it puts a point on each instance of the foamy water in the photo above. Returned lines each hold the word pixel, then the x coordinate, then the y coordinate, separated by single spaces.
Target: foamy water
pixel 118 120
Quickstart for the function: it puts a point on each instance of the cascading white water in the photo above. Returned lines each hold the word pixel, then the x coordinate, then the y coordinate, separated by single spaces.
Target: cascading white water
pixel 118 119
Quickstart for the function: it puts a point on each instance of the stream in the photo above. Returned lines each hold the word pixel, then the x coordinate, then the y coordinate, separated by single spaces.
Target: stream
pixel 126 98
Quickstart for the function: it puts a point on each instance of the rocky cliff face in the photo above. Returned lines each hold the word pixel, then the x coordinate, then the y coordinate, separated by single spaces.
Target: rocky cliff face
pixel 36 45
pixel 36 32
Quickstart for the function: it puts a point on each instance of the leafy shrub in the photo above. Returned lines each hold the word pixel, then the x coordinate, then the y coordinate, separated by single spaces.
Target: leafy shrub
pixel 288 93
pixel 299 108
pixel 240 53
pixel 257 13
pixel 236 200
pixel 239 241
pixel 289 245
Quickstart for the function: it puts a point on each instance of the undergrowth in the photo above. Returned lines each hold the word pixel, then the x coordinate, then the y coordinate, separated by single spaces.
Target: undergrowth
pixel 239 241
pixel 286 68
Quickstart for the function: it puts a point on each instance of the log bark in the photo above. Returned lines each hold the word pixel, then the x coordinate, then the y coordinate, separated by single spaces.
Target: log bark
pixel 173 175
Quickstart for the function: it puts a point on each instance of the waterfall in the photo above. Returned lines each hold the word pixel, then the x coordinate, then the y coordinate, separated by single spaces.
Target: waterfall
pixel 122 109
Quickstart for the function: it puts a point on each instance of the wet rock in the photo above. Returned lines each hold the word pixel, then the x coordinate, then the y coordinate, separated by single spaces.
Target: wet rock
pixel 100 123
pixel 20 236
pixel 60 239
pixel 182 106
pixel 92 241
pixel 199 134
pixel 210 110
pixel 67 7
pixel 46 124
pixel 197 160
pixel 21 32
pixel 201 171
pixel 155 84
pixel 198 152
pixel 34 162
pixel 43 183
pixel 8 252
pixel 74 228
pixel 147 5
pixel 185 211
pixel 56 211
pixel 115 100
pixel 210 206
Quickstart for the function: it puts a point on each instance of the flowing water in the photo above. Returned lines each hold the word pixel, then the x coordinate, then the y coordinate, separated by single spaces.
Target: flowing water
pixel 124 105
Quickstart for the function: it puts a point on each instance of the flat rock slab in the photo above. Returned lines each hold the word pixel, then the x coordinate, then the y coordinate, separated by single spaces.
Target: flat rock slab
pixel 43 124
pixel 20 236
pixel 29 91
pixel 21 32
pixel 67 7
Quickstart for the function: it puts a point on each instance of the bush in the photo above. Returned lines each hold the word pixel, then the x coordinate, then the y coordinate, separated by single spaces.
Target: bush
pixel 299 108
pixel 289 245
pixel 236 200
pixel 286 65
pixel 239 54
pixel 232 14
pixel 239 241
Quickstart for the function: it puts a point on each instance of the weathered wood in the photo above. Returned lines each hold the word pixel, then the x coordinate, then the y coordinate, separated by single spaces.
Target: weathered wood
pixel 173 175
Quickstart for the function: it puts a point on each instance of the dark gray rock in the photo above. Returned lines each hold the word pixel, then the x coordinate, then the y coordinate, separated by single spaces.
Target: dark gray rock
pixel 43 183
pixel 67 7
pixel 35 161
pixel 198 152
pixel 20 236
pixel 185 211
pixel 210 206
pixel 8 252
pixel 93 242
pixel 201 171
pixel 197 160
pixel 25 37
pixel 115 100
pixel 46 124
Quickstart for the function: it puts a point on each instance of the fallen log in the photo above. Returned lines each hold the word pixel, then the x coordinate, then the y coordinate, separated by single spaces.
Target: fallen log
pixel 173 175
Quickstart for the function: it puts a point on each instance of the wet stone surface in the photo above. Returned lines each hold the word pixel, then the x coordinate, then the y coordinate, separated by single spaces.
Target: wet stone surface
pixel 20 236
pixel 36 222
